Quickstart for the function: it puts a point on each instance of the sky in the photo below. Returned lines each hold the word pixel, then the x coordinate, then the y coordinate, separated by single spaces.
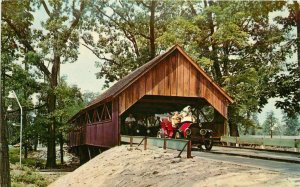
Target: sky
pixel 82 72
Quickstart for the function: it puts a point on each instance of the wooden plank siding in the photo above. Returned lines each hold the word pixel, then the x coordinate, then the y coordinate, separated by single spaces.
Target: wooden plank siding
pixel 172 73
pixel 174 76
pixel 180 72
pixel 100 133
pixel 168 77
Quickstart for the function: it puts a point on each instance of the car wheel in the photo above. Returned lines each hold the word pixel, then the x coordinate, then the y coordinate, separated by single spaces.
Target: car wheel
pixel 177 135
pixel 208 143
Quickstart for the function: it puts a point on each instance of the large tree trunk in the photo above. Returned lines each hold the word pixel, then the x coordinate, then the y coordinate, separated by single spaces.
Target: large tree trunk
pixel 297 13
pixel 233 128
pixel 4 156
pixel 151 30
pixel 51 151
pixel 214 52
pixel 61 146
pixel 35 143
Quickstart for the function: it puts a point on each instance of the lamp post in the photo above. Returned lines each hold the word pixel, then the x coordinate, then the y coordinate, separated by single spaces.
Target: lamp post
pixel 13 95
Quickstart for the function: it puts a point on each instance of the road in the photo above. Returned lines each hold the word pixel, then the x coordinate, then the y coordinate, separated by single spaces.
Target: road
pixel 284 167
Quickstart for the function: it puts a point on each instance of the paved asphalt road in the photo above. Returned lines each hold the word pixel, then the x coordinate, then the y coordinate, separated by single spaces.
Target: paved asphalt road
pixel 284 167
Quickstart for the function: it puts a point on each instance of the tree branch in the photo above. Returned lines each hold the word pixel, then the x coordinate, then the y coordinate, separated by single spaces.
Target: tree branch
pixel 26 43
pixel 46 8
pixel 128 34
pixel 92 50
pixel 190 4
pixel 98 56
pixel 144 4
pixel 28 109
pixel 75 21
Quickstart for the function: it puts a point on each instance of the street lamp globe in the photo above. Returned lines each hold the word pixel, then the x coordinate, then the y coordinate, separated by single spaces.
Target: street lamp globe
pixel 11 95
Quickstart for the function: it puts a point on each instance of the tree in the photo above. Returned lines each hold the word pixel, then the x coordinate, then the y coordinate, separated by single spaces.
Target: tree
pixel 89 96
pixel 291 125
pixel 286 85
pixel 271 124
pixel 69 102
pixel 236 44
pixel 127 32
pixel 55 43
pixel 4 156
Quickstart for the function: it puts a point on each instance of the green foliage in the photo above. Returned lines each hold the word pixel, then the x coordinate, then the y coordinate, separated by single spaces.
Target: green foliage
pixel 235 42
pixel 69 102
pixel 287 84
pixel 88 97
pixel 271 123
pixel 27 176
pixel 122 29
pixel 31 178
pixel 14 158
pixel 40 49
pixel 291 125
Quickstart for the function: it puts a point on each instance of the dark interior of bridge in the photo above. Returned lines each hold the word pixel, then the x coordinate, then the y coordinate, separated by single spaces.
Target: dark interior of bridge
pixel 150 105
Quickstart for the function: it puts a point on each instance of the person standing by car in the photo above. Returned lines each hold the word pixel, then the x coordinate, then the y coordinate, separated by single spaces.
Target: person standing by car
pixel 187 114
pixel 157 122
pixel 129 123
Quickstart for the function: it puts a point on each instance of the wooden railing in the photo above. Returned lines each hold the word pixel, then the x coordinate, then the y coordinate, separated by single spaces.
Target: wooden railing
pixel 165 143
pixel 262 141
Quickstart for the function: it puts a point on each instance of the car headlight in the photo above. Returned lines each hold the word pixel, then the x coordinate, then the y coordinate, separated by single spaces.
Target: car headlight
pixel 202 132
pixel 188 132
pixel 138 131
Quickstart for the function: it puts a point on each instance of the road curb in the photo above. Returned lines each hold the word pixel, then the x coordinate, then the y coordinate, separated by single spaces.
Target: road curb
pixel 267 150
pixel 258 157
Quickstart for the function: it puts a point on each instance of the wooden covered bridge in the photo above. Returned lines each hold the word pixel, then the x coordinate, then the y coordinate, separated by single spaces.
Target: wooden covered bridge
pixel 167 83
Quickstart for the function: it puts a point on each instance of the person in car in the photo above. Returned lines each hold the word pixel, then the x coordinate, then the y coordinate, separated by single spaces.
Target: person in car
pixel 157 122
pixel 175 119
pixel 129 123
pixel 187 114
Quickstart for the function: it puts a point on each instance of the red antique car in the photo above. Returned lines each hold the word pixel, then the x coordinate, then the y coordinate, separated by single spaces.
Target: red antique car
pixel 187 130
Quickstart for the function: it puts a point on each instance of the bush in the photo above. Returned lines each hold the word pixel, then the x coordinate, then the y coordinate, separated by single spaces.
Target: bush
pixel 22 176
pixel 14 158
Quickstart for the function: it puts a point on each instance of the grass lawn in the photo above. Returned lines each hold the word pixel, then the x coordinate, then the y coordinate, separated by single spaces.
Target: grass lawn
pixel 27 175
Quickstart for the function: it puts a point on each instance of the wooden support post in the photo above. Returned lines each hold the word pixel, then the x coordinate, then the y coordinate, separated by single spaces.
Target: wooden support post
pixel 237 142
pixel 189 149
pixel 89 152
pixel 145 143
pixel 165 143
pixel 119 130
pixel 130 141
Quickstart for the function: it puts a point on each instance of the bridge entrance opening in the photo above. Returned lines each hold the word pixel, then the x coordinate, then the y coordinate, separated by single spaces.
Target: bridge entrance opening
pixel 150 110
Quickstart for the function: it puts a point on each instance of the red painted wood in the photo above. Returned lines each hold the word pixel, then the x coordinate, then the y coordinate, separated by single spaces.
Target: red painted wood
pixel 175 75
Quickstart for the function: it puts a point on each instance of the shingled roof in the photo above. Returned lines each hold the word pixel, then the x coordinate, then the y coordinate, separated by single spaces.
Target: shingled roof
pixel 122 84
